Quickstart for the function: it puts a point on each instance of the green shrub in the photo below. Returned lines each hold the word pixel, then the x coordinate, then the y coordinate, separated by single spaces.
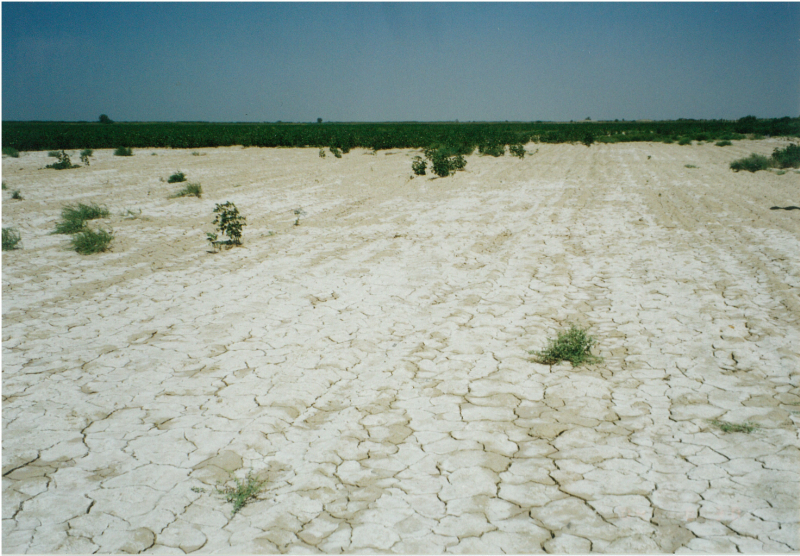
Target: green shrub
pixel 177 177
pixel 11 238
pixel 4 186
pixel 588 139
pixel 573 345
pixel 228 222
pixel 90 241
pixel 684 141
pixel 123 151
pixel 11 151
pixel 690 166
pixel 16 195
pixel 85 154
pixel 53 154
pixel 752 163
pixel 786 158
pixel 73 218
pixel 517 150
pixel 64 163
pixel 418 166
pixel 336 152
pixel 492 149
pixel 724 143
pixel 667 140
pixel 240 494
pixel 321 152
pixel 191 190
pixel 445 160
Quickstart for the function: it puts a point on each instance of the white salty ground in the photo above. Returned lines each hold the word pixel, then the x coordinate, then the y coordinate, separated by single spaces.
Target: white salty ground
pixel 372 364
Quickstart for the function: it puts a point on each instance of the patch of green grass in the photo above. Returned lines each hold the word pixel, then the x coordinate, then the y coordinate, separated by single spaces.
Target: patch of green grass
pixel 752 163
pixel 690 166
pixel 123 151
pixel 780 172
pixel 574 346
pixel 11 151
pixel 64 163
pixel 73 218
pixel 241 492
pixel 177 177
pixel 725 426
pixel 11 238
pixel 89 241
pixel 191 190
pixel 16 195
pixel 724 143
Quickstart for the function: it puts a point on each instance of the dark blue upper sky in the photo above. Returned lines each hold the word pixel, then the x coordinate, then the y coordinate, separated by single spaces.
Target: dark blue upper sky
pixel 399 61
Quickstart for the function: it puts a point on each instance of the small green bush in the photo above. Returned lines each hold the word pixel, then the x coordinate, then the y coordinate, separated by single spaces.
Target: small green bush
pixel 786 158
pixel 517 150
pixel 725 426
pixel 11 238
pixel 85 154
pixel 668 140
pixel 321 152
pixel 336 152
pixel 690 166
pixel 90 241
pixel 16 195
pixel 492 149
pixel 588 139
pixel 191 190
pixel 177 177
pixel 723 143
pixel 244 491
pixel 11 151
pixel 64 163
pixel 445 160
pixel 123 151
pixel 53 154
pixel 418 166
pixel 752 163
pixel 229 222
pixel 684 141
pixel 573 345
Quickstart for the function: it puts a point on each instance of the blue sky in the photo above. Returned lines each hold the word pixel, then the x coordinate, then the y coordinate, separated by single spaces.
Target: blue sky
pixel 399 61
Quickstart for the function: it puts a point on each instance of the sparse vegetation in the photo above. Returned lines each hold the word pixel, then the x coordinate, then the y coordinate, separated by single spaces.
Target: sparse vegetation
pixel 788 157
pixel 88 241
pixel 418 166
pixel 723 143
pixel 725 426
pixel 684 141
pixel 241 492
pixel 4 186
pixel 321 152
pixel 11 151
pixel 588 139
pixel 53 154
pixel 336 151
pixel 73 218
pixel 85 154
pixel 123 151
pixel 492 149
pixel 191 190
pixel 64 163
pixel 228 222
pixel 16 195
pixel 517 150
pixel 690 166
pixel 177 177
pixel 298 212
pixel 11 238
pixel 573 345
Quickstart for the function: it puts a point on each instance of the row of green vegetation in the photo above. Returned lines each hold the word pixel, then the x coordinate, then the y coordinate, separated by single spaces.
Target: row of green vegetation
pixel 84 239
pixel 463 137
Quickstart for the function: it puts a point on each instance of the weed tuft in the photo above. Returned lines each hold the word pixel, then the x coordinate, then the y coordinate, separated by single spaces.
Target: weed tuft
pixel 177 177
pixel 321 152
pixel 298 212
pixel 11 238
pixel 85 154
pixel 123 151
pixel 418 166
pixel 16 195
pixel 517 150
pixel 241 492
pixel 725 426
pixel 752 163
pixel 690 166
pixel 73 218
pixel 191 190
pixel 11 151
pixel 684 141
pixel 723 143
pixel 89 241
pixel 573 345
pixel 64 163
pixel 336 151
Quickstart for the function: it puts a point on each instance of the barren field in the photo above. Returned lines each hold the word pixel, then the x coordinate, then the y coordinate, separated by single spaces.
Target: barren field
pixel 371 365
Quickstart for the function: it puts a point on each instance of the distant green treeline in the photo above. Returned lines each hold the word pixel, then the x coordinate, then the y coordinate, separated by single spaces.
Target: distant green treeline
pixel 464 137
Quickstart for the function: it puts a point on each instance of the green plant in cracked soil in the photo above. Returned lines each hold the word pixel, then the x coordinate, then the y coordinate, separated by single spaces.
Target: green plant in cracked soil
pixel 574 346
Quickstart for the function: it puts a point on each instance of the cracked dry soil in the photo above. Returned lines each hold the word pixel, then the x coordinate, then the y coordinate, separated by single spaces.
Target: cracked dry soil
pixel 371 364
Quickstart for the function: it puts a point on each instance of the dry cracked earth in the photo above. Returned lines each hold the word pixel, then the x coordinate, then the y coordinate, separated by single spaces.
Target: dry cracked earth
pixel 371 365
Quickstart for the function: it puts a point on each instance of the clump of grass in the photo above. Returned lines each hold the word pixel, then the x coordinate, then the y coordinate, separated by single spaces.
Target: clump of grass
pixel 11 151
pixel 191 190
pixel 752 163
pixel 11 238
pixel 195 153
pixel 123 151
pixel 684 141
pixel 517 150
pixel 90 241
pixel 690 166
pixel 64 163
pixel 725 426
pixel 723 143
pixel 241 492
pixel 85 154
pixel 177 177
pixel 73 218
pixel 53 154
pixel 16 195
pixel 574 346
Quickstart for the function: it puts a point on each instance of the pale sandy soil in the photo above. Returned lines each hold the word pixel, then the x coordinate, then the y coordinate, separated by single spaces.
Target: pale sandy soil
pixel 372 363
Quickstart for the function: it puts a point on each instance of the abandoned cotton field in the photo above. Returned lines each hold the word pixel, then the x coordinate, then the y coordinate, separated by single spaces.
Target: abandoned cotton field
pixel 370 365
